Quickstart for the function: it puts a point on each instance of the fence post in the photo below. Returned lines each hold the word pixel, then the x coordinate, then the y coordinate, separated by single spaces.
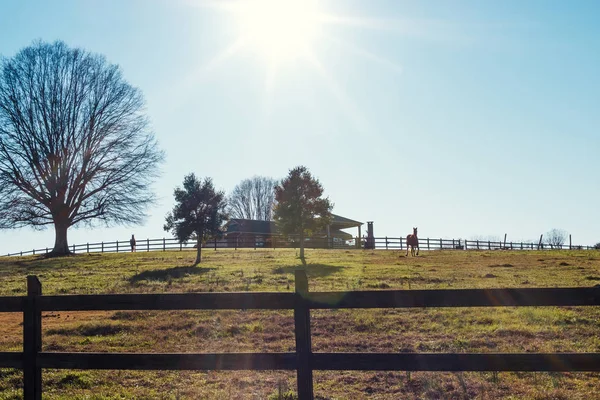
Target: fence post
pixel 34 252
pixel 303 340
pixel 441 245
pixel 427 243
pixel 215 243
pixel 32 340
pixel 570 243
pixel 73 248
pixel 147 244
pixel 102 247
pixel 88 246
pixel 164 244
pixel 46 250
pixel 477 241
pixel 466 244
pixel 117 246
pixel 386 243
pixel 489 245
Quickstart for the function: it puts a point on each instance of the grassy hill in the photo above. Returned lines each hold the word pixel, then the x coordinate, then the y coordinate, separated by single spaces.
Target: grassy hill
pixel 399 330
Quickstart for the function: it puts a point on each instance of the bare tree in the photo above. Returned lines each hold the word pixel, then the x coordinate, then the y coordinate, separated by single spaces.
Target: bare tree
pixel 556 238
pixel 74 142
pixel 253 198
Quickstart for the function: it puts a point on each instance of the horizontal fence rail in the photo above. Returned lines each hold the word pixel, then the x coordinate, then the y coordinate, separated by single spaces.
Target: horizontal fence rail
pixel 32 360
pixel 277 241
pixel 153 361
pixel 169 301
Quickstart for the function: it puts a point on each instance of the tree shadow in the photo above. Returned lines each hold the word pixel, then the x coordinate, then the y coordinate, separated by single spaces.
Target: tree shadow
pixel 312 270
pixel 35 264
pixel 168 274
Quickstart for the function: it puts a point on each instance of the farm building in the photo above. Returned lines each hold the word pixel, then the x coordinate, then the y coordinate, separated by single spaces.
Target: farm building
pixel 251 233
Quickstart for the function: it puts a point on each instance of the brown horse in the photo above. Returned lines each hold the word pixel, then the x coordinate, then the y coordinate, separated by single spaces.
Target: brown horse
pixel 412 241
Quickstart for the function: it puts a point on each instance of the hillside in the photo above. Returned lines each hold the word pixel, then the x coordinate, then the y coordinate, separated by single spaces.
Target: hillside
pixel 399 330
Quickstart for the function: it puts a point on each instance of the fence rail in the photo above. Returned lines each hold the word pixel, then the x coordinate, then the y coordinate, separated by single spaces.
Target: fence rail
pixel 32 360
pixel 275 241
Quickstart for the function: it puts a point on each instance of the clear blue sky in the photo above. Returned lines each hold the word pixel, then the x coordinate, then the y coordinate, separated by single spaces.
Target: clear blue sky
pixel 464 118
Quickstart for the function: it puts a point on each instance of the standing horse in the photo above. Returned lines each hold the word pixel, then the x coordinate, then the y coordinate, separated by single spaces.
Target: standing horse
pixel 412 241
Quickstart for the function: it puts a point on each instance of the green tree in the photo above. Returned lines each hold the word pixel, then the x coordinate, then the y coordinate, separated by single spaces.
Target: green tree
pixel 300 209
pixel 199 212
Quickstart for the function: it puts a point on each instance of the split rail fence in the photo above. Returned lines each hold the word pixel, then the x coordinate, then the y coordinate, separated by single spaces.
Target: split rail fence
pixel 260 242
pixel 304 361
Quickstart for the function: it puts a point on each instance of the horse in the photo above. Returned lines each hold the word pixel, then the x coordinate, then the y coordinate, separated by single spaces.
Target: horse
pixel 412 241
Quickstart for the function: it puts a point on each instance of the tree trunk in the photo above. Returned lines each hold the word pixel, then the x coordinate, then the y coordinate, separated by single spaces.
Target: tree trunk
pixel 198 250
pixel 61 245
pixel 302 248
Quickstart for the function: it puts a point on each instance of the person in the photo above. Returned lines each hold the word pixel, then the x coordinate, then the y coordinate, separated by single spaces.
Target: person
pixel 132 243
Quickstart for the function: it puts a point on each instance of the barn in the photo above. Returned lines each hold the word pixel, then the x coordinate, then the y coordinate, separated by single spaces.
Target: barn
pixel 255 233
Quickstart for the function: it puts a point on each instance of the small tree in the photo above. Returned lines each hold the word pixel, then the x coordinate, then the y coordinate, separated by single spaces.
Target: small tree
pixel 253 198
pixel 199 212
pixel 300 209
pixel 556 238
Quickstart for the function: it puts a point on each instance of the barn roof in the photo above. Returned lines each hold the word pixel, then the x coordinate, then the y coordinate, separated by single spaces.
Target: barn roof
pixel 269 227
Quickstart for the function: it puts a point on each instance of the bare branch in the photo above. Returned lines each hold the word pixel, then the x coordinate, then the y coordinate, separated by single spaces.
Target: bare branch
pixel 253 198
pixel 75 145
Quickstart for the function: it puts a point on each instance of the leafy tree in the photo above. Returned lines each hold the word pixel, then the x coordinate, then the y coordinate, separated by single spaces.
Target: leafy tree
pixel 556 238
pixel 300 209
pixel 199 212
pixel 75 145
pixel 253 198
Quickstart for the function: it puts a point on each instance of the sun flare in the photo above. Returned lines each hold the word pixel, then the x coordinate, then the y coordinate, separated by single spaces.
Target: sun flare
pixel 280 30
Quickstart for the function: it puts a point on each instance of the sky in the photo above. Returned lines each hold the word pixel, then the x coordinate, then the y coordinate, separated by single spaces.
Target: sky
pixel 464 118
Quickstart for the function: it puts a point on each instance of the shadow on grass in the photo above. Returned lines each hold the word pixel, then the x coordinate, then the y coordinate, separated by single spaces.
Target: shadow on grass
pixel 167 274
pixel 312 270
pixel 36 264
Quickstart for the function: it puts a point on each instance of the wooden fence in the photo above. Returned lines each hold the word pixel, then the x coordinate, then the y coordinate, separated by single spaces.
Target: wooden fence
pixel 32 360
pixel 391 243
pixel 260 242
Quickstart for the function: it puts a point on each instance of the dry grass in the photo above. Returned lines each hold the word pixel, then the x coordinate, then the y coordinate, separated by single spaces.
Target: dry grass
pixel 398 330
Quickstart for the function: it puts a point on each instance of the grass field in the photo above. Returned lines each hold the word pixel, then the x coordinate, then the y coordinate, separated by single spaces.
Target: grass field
pixel 527 329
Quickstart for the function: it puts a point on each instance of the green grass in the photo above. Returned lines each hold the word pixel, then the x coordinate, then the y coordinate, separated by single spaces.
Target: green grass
pixel 501 329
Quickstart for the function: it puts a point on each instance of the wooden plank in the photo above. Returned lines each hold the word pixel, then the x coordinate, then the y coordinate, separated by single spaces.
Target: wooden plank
pixel 157 361
pixel 11 359
pixel 457 362
pixel 32 340
pixel 303 338
pixel 456 298
pixel 12 303
pixel 185 301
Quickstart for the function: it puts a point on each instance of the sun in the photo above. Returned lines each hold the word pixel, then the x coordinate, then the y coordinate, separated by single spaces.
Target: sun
pixel 280 30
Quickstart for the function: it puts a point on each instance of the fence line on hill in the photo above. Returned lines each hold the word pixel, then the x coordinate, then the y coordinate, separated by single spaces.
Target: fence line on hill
pixel 278 241
pixel 32 359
